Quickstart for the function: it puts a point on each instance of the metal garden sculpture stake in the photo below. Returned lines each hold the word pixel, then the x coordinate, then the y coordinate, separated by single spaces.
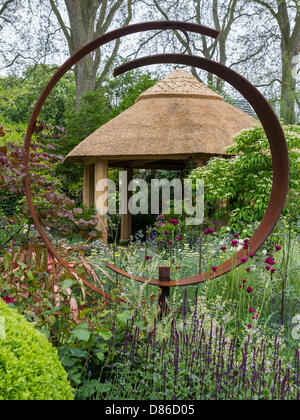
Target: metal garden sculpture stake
pixel 262 108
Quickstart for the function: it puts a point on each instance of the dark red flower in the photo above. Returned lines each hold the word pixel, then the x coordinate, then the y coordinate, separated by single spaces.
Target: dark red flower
pixel 270 261
pixel 278 247
pixel 249 289
pixel 214 268
pixel 208 231
pixel 174 222
pixel 8 300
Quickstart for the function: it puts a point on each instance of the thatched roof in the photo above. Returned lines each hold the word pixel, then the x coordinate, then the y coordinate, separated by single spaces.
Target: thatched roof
pixel 178 116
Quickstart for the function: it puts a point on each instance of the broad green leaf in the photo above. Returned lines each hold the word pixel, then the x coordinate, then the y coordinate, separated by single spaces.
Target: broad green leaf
pixel 81 334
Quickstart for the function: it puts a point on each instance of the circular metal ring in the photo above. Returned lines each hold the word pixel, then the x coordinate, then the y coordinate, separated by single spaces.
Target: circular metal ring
pixel 263 110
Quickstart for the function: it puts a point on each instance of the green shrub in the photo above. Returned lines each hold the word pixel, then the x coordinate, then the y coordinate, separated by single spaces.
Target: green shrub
pixel 29 366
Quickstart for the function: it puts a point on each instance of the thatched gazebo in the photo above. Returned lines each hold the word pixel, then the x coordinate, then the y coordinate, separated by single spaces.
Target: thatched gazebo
pixel 177 119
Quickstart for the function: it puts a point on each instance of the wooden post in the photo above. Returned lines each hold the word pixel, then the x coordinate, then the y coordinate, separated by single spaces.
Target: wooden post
pixel 164 276
pixel 101 172
pixel 126 219
pixel 88 185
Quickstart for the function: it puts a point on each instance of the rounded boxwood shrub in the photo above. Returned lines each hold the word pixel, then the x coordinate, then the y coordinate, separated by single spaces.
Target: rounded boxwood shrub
pixel 29 366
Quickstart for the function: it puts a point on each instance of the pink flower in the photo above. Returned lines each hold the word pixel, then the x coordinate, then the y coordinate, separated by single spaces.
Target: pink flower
pixel 244 259
pixel 147 257
pixel 248 269
pixel 273 270
pixel 208 231
pixel 236 235
pixel 268 267
pixel 250 326
pixel 246 240
pixel 214 268
pixel 177 267
pixel 179 238
pixel 278 247
pixel 245 246
pixel 251 255
pixel 166 232
pixel 251 310
pixel 243 281
pixel 223 248
pixel 249 289
pixel 170 242
pixel 234 243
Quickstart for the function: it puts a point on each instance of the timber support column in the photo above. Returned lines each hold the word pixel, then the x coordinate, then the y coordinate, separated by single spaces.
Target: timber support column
pixel 101 206
pixel 126 219
pixel 88 185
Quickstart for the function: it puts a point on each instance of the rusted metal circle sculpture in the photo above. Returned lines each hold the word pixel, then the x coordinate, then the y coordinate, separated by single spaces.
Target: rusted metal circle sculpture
pixel 262 108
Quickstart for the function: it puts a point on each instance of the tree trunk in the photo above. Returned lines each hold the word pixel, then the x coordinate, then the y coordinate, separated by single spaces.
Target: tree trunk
pixel 288 91
pixel 89 19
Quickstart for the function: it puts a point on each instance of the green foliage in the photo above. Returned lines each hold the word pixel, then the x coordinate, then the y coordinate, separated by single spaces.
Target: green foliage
pixel 123 91
pixel 19 95
pixel 237 189
pixel 29 366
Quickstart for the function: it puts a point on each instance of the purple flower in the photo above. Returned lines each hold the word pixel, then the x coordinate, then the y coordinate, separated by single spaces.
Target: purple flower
pixel 273 270
pixel 251 310
pixel 179 238
pixel 234 243
pixel 248 269
pixel 249 289
pixel 147 257
pixel 268 267
pixel 244 259
pixel 278 247
pixel 166 232
pixel 170 242
pixel 236 235
pixel 251 255
pixel 214 268
pixel 223 248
